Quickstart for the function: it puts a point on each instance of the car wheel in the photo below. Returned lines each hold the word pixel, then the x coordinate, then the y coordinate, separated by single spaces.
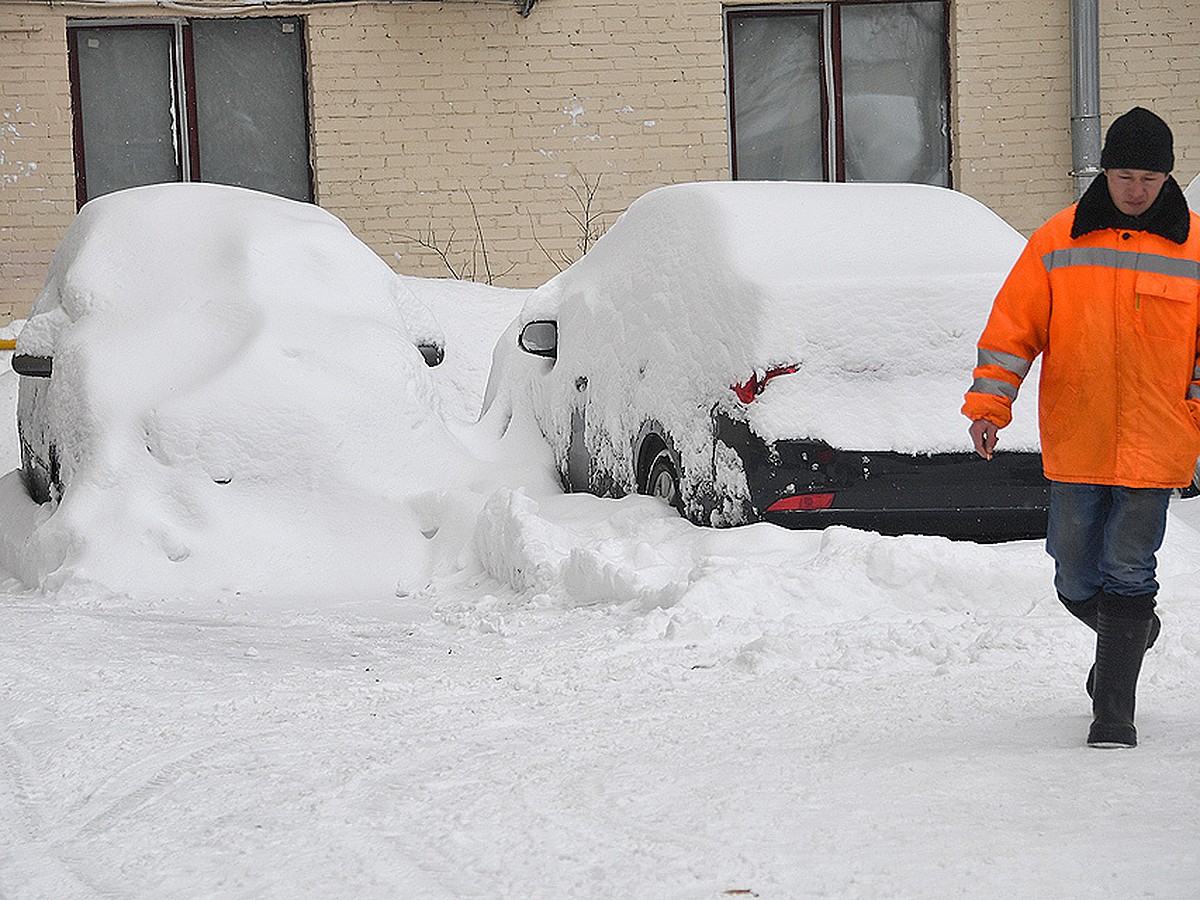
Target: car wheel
pixel 41 482
pixel 662 480
pixel 39 455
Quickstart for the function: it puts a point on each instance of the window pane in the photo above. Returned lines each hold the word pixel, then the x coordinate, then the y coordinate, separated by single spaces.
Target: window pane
pixel 775 96
pixel 894 92
pixel 126 108
pixel 250 103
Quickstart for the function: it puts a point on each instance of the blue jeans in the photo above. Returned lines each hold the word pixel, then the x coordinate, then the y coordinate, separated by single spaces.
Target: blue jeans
pixel 1104 537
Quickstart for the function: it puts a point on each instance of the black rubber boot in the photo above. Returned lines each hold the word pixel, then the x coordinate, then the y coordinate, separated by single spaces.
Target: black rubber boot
pixel 1123 630
pixel 1086 612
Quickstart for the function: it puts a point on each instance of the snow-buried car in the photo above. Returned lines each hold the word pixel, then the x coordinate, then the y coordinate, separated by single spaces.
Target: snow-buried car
pixel 789 352
pixel 156 294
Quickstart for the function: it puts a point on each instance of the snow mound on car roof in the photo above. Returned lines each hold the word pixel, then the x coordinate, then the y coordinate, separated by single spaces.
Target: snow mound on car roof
pixel 877 292
pixel 237 400
pixel 796 232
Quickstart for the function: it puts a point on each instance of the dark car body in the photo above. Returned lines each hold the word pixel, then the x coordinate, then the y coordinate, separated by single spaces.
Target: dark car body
pixel 809 484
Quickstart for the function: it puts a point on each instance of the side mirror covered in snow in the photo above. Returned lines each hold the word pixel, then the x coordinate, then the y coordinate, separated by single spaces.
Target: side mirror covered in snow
pixel 433 353
pixel 33 366
pixel 540 338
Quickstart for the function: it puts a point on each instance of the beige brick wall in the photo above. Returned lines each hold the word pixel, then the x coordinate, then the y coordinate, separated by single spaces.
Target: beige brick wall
pixel 463 104
pixel 37 171
pixel 1151 57
pixel 1011 69
pixel 429 118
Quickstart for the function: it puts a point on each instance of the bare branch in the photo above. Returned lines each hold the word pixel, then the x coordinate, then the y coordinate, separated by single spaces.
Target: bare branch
pixel 590 227
pixel 481 243
pixel 445 251
pixel 586 219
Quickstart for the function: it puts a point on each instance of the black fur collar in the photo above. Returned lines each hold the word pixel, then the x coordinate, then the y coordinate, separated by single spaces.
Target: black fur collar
pixel 1168 216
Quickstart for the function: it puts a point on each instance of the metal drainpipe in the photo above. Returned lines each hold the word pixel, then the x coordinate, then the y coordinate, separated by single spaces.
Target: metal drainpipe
pixel 1085 93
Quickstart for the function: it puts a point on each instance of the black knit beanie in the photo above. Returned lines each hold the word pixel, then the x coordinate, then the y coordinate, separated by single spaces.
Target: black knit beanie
pixel 1138 140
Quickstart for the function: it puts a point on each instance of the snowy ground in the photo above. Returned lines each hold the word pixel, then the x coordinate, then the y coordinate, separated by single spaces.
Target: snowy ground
pixel 603 702
pixel 589 699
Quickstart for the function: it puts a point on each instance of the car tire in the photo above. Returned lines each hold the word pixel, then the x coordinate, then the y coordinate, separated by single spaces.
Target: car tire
pixel 41 484
pixel 39 456
pixel 662 480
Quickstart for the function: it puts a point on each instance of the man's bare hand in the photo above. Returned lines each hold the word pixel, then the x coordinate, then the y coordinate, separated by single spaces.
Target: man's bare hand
pixel 984 435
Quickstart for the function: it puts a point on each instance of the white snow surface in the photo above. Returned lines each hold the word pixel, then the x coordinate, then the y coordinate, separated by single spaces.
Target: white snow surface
pixel 564 697
pixel 235 377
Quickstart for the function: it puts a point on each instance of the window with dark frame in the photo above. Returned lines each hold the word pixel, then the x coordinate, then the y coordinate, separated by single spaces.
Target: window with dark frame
pixel 216 100
pixel 840 91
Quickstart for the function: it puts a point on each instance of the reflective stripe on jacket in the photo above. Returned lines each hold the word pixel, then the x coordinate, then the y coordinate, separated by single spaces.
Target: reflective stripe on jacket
pixel 1115 315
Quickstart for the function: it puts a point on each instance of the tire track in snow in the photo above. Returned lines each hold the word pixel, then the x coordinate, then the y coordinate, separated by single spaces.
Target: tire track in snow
pixel 51 860
pixel 141 782
pixel 30 864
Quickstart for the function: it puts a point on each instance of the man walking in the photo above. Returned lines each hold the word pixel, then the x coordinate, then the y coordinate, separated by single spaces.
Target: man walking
pixel 1108 292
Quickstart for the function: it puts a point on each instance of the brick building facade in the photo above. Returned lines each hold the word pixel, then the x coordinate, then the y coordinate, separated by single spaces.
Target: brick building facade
pixel 466 136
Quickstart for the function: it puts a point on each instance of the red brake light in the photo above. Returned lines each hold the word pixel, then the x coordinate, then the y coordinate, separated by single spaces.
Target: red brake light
pixel 801 502
pixel 751 388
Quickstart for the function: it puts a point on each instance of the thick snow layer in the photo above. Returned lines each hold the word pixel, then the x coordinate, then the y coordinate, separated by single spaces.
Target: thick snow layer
pixel 472 316
pixel 876 293
pixel 236 385
pixel 581 698
pixel 602 701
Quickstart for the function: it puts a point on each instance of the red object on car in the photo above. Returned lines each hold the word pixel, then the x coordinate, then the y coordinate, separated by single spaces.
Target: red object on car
pixel 748 390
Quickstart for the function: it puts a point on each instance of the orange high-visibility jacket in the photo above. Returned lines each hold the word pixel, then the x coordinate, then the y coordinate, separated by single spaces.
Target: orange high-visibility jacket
pixel 1115 315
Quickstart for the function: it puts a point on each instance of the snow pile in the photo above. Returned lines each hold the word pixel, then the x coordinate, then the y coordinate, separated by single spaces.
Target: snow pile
pixel 472 316
pixel 238 404
pixel 580 550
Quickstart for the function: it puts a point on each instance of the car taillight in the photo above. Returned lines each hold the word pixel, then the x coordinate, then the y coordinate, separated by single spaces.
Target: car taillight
pixel 752 387
pixel 801 502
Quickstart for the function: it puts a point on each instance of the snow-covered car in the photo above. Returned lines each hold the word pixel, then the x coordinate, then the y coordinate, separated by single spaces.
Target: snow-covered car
pixel 186 279
pixel 789 352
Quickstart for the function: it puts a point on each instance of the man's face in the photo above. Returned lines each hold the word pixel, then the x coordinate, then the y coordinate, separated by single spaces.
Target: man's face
pixel 1134 190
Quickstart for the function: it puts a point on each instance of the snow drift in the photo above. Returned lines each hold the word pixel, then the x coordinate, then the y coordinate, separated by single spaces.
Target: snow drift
pixel 237 395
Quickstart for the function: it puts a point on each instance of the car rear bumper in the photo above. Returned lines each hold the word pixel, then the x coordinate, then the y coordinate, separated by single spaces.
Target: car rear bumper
pixel 956 495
